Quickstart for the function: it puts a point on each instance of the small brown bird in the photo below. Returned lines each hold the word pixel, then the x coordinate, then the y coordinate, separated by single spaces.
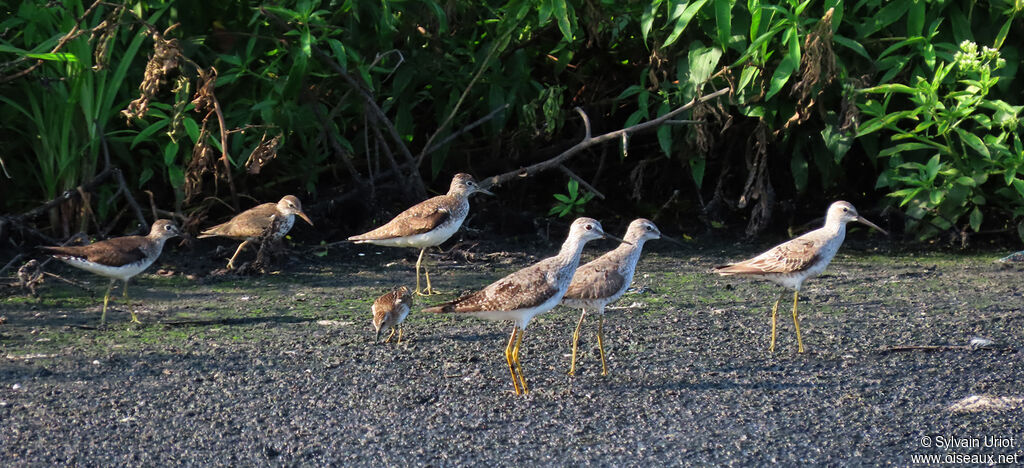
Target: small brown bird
pixel 389 311
pixel 791 263
pixel 119 258
pixel 250 224
pixel 426 224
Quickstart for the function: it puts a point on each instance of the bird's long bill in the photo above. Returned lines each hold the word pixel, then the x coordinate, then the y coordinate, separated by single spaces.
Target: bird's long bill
pixel 304 217
pixel 672 240
pixel 609 236
pixel 869 223
pixel 485 191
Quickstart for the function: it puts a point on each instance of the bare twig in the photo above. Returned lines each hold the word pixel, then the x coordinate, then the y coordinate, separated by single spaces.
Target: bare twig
pixel 499 44
pixel 11 263
pixel 465 129
pixel 123 190
pixel 588 142
pixel 224 149
pixel 572 175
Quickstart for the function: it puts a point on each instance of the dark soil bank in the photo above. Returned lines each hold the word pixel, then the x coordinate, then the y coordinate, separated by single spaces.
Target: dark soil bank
pixel 279 369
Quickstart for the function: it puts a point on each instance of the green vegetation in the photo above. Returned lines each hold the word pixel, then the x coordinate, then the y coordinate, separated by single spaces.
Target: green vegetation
pixel 905 102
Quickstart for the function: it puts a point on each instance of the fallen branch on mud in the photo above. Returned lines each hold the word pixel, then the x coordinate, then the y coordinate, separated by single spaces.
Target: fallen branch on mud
pixel 589 141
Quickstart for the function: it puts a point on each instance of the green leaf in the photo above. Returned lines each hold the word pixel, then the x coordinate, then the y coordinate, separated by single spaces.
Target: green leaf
pixel 723 21
pixel 915 18
pixel 170 153
pixel 55 57
pixel 647 18
pixel 562 17
pixel 562 198
pixel 974 142
pixel 697 166
pixel 683 20
pixel 665 139
pixel 966 181
pixel 936 197
pixel 782 74
pixel 976 218
pixel 148 131
pixel 852 45
pixel 147 173
pixel 703 61
pixel 574 189
pixel 799 167
pixel 192 128
pixel 837 142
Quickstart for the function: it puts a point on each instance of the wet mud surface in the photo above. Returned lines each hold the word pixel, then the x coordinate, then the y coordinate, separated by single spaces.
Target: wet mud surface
pixel 280 368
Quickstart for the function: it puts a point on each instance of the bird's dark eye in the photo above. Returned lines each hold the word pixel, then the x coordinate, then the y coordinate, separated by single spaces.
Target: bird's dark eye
pixel 167 227
pixel 649 228
pixel 589 227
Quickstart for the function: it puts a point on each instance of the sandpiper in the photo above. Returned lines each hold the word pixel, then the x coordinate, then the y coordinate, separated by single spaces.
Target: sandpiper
pixel 119 258
pixel 389 311
pixel 791 263
pixel 604 280
pixel 250 224
pixel 426 224
pixel 527 293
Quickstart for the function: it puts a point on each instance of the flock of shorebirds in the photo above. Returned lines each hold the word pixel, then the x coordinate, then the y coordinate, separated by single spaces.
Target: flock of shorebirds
pixel 518 297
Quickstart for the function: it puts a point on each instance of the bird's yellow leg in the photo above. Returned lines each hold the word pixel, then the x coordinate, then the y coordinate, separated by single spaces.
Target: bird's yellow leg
pixel 775 311
pixel 575 340
pixel 600 343
pixel 796 323
pixel 231 262
pixel 420 292
pixel 388 339
pixel 515 357
pixel 106 300
pixel 430 289
pixel 399 335
pixel 126 304
pixel 508 358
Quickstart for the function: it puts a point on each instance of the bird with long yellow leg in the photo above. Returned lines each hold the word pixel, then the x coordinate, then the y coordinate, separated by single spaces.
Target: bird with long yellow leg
pixel 527 293
pixel 791 263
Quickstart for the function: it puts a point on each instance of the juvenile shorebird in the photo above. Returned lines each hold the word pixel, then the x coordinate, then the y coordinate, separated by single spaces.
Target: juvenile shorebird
pixel 791 263
pixel 119 258
pixel 527 293
pixel 389 311
pixel 604 280
pixel 427 224
pixel 250 224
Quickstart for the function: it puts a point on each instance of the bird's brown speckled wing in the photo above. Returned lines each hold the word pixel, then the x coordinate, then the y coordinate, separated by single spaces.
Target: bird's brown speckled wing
pixel 524 289
pixel 249 223
pixel 418 219
pixel 596 280
pixel 113 252
pixel 790 257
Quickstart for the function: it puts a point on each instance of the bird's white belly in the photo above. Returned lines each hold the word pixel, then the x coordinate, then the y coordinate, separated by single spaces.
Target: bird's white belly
pixel 522 317
pixel 122 273
pixel 426 239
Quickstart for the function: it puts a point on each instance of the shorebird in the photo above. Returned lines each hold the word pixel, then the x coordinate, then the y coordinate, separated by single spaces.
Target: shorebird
pixel 527 293
pixel 250 224
pixel 604 280
pixel 389 311
pixel 791 263
pixel 426 224
pixel 119 258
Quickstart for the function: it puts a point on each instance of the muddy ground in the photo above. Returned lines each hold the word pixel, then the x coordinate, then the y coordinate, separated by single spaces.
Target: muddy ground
pixel 279 369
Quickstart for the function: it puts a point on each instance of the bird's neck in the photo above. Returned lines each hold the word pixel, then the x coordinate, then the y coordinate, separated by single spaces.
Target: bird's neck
pixel 570 251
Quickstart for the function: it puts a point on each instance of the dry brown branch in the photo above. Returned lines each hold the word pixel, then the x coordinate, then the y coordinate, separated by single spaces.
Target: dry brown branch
pixel 589 141
pixel 465 129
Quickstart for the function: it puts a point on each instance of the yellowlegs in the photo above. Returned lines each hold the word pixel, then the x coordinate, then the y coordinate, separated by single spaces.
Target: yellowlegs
pixel 250 224
pixel 389 311
pixel 119 258
pixel 527 293
pixel 791 263
pixel 604 280
pixel 426 224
